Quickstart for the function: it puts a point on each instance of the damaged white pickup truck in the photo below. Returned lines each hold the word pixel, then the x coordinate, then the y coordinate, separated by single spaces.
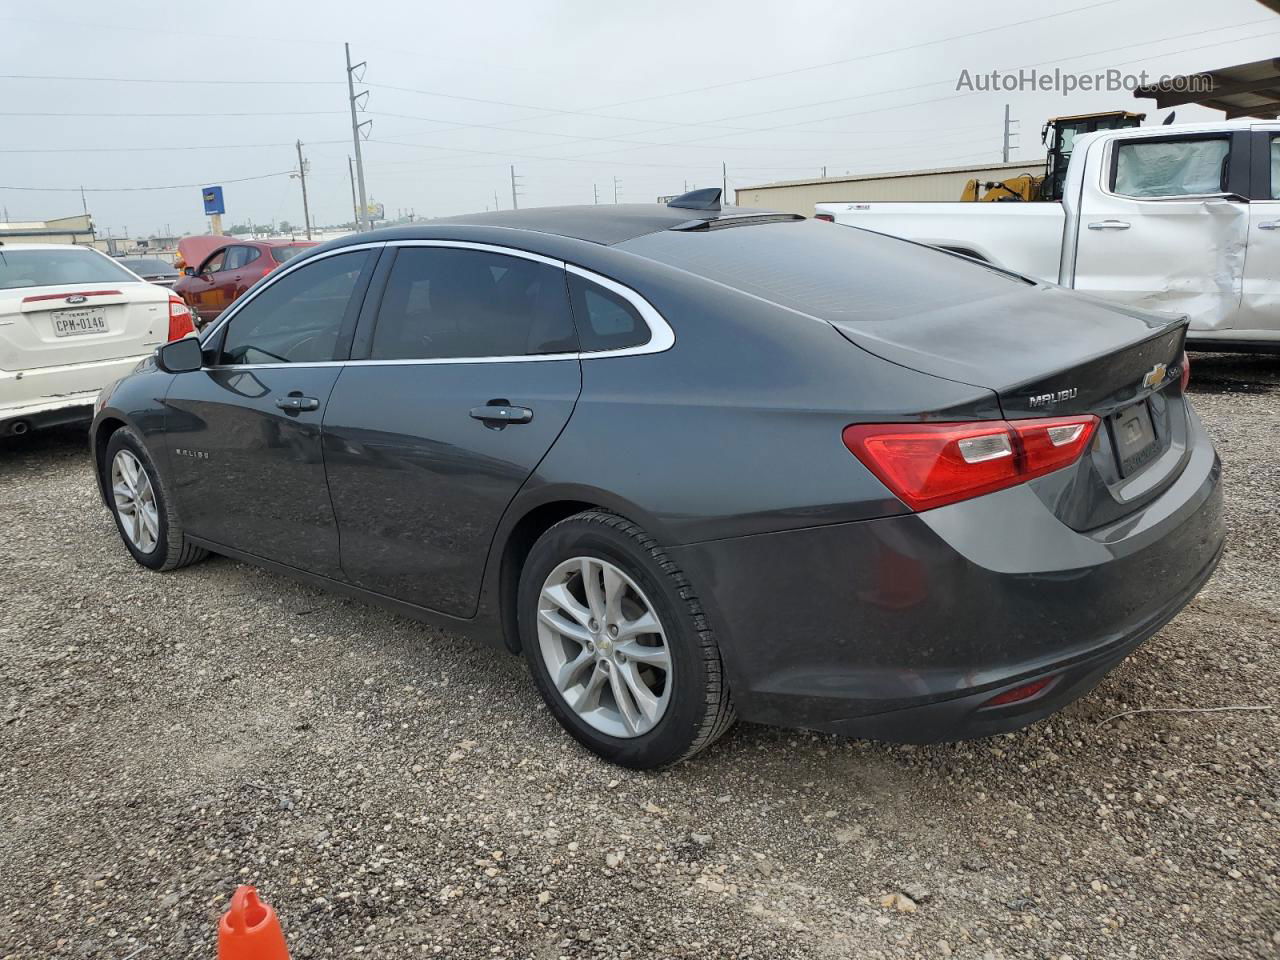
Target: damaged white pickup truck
pixel 1184 219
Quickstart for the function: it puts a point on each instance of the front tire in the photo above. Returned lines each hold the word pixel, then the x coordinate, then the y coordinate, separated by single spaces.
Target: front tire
pixel 618 644
pixel 146 515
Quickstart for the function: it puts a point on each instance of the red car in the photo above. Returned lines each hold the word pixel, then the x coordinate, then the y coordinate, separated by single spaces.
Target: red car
pixel 229 271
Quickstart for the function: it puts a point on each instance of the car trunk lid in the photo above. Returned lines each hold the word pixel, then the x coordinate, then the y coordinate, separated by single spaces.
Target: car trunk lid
pixel 80 323
pixel 1045 352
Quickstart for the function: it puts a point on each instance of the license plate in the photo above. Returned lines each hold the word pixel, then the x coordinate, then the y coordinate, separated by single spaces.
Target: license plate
pixel 73 323
pixel 1134 437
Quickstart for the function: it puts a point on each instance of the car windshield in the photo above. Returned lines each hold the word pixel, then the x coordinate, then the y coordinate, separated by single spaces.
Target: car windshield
pixel 281 254
pixel 149 266
pixel 42 268
pixel 829 271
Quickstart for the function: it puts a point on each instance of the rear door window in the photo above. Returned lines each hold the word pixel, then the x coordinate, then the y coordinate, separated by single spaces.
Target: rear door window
pixel 444 303
pixel 298 318
pixel 1275 168
pixel 1170 168
pixel 238 257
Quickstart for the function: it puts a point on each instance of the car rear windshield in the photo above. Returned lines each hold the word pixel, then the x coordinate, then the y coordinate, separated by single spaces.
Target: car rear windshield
pixel 826 270
pixel 281 254
pixel 43 268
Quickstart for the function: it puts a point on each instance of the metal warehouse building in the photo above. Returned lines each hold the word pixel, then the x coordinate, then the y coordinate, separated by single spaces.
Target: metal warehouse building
pixel 941 183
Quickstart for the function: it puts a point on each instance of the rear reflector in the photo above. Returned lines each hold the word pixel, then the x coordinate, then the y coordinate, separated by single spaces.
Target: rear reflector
pixel 928 465
pixel 179 318
pixel 1018 694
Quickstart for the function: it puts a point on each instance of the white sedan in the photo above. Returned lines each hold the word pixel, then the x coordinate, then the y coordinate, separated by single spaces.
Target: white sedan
pixel 73 320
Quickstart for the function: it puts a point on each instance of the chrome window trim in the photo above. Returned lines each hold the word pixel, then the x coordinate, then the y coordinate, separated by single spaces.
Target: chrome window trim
pixel 661 336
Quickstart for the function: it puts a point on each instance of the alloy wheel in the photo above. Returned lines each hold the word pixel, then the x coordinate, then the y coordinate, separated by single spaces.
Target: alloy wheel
pixel 135 500
pixel 604 647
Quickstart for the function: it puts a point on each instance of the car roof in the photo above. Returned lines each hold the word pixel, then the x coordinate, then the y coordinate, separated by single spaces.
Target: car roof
pixel 605 224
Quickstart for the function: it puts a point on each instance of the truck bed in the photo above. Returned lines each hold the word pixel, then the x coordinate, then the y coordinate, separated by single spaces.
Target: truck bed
pixel 1023 237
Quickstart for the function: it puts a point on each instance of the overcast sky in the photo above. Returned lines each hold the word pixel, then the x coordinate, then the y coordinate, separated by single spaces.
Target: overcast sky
pixel 570 92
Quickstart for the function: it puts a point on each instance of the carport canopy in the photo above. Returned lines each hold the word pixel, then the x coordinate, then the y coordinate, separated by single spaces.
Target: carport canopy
pixel 1248 90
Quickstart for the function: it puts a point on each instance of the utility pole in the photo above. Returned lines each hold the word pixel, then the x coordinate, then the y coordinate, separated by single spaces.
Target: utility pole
pixel 495 201
pixel 302 175
pixel 83 202
pixel 724 184
pixel 352 97
pixel 595 192
pixel 824 172
pixel 1004 153
pixel 615 189
pixel 514 202
pixel 351 171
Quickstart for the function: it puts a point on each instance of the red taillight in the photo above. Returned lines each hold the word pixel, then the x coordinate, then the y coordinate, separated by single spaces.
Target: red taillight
pixel 824 217
pixel 179 318
pixel 1186 371
pixel 927 465
pixel 1018 694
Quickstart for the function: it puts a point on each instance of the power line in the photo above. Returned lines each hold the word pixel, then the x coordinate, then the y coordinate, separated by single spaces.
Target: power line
pixel 935 83
pixel 168 81
pixel 139 116
pixel 216 146
pixel 1004 25
pixel 172 186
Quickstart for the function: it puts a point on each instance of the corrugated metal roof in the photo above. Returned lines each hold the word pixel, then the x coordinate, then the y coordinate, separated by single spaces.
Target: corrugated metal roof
pixel 1247 90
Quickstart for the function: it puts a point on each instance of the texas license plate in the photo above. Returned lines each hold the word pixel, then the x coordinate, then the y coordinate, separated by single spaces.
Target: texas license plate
pixel 73 323
pixel 1135 438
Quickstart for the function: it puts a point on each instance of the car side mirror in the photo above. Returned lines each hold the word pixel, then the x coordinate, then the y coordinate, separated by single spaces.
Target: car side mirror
pixel 188 271
pixel 180 356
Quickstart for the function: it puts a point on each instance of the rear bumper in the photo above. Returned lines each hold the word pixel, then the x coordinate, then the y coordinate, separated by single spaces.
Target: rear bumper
pixel 48 396
pixel 902 628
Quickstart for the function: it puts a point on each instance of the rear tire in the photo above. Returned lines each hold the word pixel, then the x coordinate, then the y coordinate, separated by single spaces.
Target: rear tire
pixel 633 673
pixel 146 515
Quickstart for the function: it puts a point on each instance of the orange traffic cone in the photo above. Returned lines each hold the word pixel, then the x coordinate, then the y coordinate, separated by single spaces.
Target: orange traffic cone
pixel 250 930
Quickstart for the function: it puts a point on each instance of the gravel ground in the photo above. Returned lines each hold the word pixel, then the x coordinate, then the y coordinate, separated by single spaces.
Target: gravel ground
pixel 395 791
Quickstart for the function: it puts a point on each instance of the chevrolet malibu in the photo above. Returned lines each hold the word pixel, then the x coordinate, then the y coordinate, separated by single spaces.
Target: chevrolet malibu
pixel 694 465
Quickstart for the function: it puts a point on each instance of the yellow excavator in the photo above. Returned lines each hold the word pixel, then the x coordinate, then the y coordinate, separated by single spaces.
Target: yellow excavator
pixel 1059 137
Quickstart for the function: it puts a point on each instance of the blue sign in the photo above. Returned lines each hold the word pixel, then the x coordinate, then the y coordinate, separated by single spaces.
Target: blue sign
pixel 213 201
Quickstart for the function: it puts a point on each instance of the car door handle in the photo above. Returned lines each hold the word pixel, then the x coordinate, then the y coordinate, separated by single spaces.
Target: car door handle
pixel 295 404
pixel 1109 225
pixel 499 413
pixel 1270 225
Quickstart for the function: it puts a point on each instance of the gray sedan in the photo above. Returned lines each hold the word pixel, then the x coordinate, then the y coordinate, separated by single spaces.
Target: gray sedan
pixel 695 464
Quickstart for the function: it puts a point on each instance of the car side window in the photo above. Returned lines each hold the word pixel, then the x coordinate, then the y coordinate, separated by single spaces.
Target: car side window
pixel 1171 168
pixel 235 258
pixel 1275 168
pixel 247 256
pixel 214 263
pixel 445 303
pixel 605 320
pixel 298 318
